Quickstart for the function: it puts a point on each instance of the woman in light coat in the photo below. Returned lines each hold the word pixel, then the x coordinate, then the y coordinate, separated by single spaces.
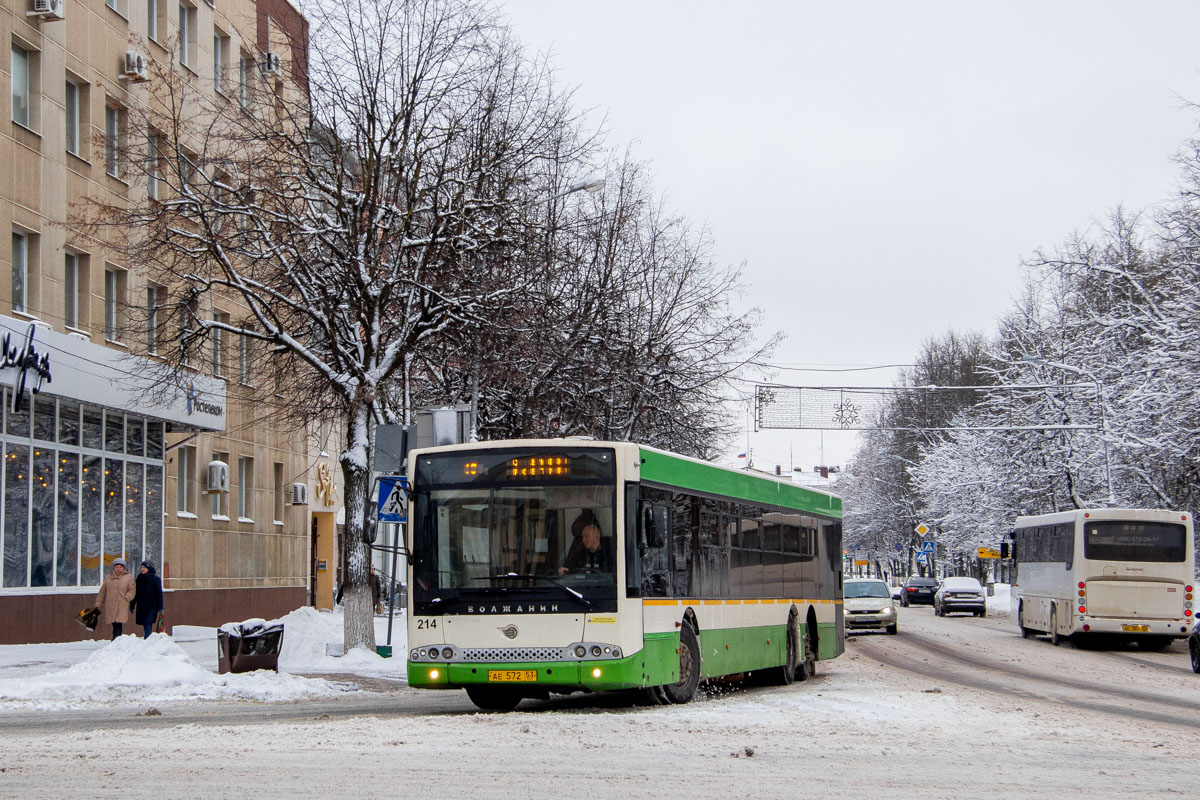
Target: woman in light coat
pixel 115 595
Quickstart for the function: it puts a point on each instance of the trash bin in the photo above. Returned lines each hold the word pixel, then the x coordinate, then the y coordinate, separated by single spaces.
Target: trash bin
pixel 247 646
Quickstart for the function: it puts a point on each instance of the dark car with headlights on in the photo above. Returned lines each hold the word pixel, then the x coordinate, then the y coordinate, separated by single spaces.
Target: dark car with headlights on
pixel 918 590
pixel 960 594
pixel 868 603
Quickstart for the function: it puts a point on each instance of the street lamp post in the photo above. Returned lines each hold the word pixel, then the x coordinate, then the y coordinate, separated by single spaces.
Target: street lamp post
pixel 1103 414
pixel 592 184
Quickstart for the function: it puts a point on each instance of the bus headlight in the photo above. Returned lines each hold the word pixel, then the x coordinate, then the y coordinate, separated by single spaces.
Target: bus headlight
pixel 596 672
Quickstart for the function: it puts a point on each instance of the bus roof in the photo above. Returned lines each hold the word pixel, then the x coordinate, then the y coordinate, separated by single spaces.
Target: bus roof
pixel 684 472
pixel 671 469
pixel 1145 514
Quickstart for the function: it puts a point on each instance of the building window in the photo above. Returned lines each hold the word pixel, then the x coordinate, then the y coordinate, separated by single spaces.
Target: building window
pixel 185 481
pixel 74 280
pixel 244 80
pixel 71 100
pixel 245 488
pixel 22 62
pixel 153 18
pixel 220 55
pixel 219 501
pixel 20 271
pixel 279 507
pixel 153 164
pixel 218 344
pixel 245 343
pixel 114 301
pixel 114 138
pixel 156 298
pixel 187 34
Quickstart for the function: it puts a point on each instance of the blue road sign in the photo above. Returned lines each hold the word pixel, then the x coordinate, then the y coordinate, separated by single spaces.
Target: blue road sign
pixel 921 558
pixel 928 547
pixel 393 499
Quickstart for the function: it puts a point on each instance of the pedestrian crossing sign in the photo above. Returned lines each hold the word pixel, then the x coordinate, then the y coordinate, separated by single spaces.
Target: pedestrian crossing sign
pixel 393 499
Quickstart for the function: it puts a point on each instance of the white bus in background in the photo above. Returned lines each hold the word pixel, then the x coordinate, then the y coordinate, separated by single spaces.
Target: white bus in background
pixel 1117 572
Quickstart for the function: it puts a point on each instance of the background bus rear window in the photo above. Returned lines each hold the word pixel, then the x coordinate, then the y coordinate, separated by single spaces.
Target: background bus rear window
pixel 1134 541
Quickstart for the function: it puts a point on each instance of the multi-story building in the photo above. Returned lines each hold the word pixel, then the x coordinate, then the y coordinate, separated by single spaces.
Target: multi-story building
pixel 107 459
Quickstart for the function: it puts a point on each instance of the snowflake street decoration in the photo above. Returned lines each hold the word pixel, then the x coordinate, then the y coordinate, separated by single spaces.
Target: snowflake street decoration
pixel 846 414
pixel 929 408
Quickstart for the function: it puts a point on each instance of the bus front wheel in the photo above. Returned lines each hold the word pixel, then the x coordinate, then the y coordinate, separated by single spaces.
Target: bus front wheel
pixel 1026 631
pixel 683 690
pixel 491 699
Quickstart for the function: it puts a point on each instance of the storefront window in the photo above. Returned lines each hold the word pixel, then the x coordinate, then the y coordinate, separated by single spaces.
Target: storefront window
pixel 70 508
pixel 16 514
pixel 43 419
pixel 41 523
pixel 91 497
pixel 114 432
pixel 93 428
pixel 17 421
pixel 134 502
pixel 68 515
pixel 68 423
pixel 154 513
pixel 114 520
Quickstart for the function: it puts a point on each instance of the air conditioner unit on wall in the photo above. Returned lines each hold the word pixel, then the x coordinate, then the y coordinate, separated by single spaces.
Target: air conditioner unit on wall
pixel 48 9
pixel 271 65
pixel 299 494
pixel 218 477
pixel 135 66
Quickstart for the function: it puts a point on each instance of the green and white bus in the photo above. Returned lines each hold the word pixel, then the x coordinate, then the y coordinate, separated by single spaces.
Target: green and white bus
pixel 557 566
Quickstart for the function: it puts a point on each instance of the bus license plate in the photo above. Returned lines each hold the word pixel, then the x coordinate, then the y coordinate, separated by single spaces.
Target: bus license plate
pixel 1136 628
pixel 512 675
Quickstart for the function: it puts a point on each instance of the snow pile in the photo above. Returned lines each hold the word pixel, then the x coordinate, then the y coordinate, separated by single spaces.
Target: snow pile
pixel 146 671
pixel 307 631
pixel 999 602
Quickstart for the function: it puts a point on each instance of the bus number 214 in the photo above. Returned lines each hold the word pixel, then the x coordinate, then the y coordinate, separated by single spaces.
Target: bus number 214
pixel 426 624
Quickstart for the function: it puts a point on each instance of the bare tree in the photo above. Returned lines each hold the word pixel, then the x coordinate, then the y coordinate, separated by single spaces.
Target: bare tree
pixel 351 226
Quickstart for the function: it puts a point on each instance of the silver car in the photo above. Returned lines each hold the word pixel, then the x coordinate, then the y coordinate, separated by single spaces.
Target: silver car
pixel 868 604
pixel 960 594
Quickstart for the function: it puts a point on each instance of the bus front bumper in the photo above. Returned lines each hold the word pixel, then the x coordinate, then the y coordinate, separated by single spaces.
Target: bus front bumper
pixel 657 663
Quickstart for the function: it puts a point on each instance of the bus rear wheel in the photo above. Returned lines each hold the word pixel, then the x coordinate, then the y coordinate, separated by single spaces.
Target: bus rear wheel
pixel 490 698
pixel 808 667
pixel 683 690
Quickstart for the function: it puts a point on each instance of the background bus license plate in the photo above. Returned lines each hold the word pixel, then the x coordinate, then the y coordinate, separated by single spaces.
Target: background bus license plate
pixel 512 675
pixel 1135 628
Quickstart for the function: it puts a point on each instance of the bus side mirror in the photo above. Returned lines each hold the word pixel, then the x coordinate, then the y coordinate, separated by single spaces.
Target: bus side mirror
pixel 653 521
pixel 1006 550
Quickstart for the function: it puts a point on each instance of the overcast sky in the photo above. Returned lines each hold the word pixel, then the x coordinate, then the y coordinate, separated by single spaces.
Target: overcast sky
pixel 881 167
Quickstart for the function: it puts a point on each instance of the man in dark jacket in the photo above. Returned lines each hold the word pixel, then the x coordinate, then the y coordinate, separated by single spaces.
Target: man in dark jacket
pixel 149 599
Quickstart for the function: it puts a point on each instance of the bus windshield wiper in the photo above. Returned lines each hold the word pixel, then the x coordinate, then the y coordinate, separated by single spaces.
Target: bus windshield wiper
pixel 516 575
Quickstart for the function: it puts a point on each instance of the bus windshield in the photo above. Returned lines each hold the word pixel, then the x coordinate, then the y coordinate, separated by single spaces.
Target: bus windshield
pixel 1126 540
pixel 491 528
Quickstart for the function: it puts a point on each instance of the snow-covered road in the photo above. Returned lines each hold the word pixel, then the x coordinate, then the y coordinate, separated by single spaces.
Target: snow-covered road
pixel 863 728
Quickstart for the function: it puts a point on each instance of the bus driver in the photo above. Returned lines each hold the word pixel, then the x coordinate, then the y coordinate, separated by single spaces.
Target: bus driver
pixel 586 553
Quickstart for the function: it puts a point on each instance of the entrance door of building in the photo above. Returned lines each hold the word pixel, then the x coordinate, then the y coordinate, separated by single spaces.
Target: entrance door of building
pixel 323 561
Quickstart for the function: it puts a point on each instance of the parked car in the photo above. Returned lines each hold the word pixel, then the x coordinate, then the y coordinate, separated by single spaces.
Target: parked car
pixel 918 590
pixel 867 603
pixel 960 594
pixel 1194 647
